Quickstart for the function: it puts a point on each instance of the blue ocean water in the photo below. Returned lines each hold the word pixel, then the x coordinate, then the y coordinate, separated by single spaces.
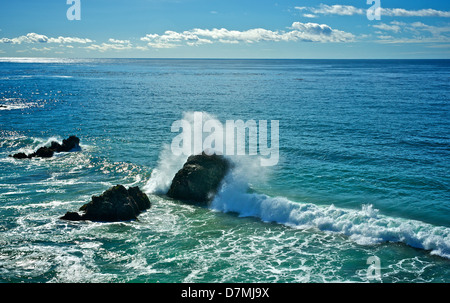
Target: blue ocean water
pixel 363 171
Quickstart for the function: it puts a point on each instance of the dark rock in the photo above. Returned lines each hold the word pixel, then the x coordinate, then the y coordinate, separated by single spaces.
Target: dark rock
pixel 70 144
pixel 141 200
pixel 115 204
pixel 72 216
pixel 199 179
pixel 43 152
pixel 55 146
pixel 20 156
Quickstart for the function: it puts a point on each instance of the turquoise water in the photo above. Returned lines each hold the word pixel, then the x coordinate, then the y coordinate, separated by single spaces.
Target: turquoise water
pixel 363 171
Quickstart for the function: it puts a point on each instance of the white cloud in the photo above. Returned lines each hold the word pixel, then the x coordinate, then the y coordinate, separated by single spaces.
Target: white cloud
pixel 385 37
pixel 349 10
pixel 171 39
pixel 434 30
pixel 108 46
pixel 69 40
pixel 115 41
pixel 394 28
pixel 162 45
pixel 142 48
pixel 416 32
pixel 37 38
pixel 43 49
pixel 400 12
pixel 421 40
pixel 312 32
pixel 317 33
pixel 248 36
pixel 343 10
pixel 29 38
pixel 309 16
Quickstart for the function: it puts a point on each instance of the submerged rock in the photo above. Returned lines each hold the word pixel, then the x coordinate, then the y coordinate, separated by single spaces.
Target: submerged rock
pixel 199 179
pixel 69 144
pixel 115 204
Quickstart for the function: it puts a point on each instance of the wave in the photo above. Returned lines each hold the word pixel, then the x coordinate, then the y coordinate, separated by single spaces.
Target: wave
pixel 365 227
pixel 16 103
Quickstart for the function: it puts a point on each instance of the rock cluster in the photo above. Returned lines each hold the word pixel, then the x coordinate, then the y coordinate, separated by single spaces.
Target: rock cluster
pixel 196 183
pixel 69 144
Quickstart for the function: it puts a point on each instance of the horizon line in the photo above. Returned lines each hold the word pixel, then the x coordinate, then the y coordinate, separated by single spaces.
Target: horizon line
pixel 218 58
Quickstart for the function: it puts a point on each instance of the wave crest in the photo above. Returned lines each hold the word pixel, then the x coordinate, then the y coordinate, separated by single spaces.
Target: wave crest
pixel 365 226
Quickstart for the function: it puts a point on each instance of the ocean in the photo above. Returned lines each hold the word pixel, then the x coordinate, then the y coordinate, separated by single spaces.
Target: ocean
pixel 363 171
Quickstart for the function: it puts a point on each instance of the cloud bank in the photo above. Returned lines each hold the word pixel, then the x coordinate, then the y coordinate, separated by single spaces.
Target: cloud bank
pixel 349 10
pixel 36 38
pixel 307 32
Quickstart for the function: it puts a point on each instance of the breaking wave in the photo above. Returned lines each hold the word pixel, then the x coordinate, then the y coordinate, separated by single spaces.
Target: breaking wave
pixel 365 226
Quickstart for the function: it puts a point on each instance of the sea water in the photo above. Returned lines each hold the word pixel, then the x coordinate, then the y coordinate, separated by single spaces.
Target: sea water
pixel 363 171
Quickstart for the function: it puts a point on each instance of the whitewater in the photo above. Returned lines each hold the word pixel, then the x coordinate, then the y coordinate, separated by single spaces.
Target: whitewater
pixel 365 226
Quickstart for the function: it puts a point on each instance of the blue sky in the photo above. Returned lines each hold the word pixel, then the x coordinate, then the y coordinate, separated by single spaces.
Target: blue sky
pixel 225 29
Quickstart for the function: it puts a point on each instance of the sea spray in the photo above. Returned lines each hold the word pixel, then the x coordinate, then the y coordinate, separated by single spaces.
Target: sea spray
pixel 161 176
pixel 169 162
pixel 237 195
pixel 230 139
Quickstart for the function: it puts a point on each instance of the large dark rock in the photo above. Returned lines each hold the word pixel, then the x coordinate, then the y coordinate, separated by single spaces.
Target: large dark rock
pixel 69 144
pixel 115 204
pixel 42 152
pixel 199 179
pixel 20 156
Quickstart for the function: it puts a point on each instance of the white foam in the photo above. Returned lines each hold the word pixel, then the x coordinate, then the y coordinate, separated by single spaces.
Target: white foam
pixel 12 106
pixel 365 226
pixel 42 60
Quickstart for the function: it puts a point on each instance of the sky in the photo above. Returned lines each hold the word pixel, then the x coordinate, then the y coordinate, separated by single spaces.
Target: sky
pixel 285 29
